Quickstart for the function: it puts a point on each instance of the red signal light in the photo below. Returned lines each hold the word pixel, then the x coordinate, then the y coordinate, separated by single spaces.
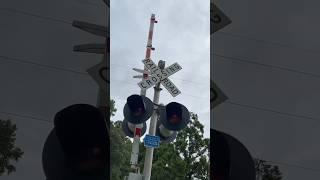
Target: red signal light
pixel 174 119
pixel 174 113
pixel 136 105
pixel 138 132
pixel 138 112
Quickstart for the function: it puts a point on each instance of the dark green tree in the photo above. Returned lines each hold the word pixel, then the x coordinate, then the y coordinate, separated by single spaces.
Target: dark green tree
pixel 267 171
pixel 167 163
pixel 184 159
pixel 8 151
pixel 113 109
pixel 193 148
pixel 120 148
pixel 119 152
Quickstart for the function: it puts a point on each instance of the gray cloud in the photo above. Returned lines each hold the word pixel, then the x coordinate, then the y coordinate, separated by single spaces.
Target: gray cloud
pixel 181 35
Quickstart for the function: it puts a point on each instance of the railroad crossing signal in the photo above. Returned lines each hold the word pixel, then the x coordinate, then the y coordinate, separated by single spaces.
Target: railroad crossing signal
pixel 160 75
pixel 138 109
pixel 76 147
pixel 173 117
pixel 218 19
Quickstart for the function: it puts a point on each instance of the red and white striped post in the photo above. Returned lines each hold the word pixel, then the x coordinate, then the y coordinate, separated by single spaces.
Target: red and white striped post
pixel 138 128
pixel 135 147
pixel 149 48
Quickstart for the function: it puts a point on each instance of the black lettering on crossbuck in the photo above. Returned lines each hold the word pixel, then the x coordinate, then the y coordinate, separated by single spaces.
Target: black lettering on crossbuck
pixel 175 91
pixel 149 82
pixel 160 75
pixel 142 85
pixel 154 79
pixel 164 73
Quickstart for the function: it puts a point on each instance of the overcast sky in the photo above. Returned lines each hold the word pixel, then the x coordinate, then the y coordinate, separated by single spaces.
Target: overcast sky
pixel 277 33
pixel 41 32
pixel 181 35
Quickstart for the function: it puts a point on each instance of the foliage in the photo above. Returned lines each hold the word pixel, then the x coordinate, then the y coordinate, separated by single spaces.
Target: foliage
pixel 113 109
pixel 167 164
pixel 8 151
pixel 186 158
pixel 119 149
pixel 119 152
pixel 267 171
pixel 193 147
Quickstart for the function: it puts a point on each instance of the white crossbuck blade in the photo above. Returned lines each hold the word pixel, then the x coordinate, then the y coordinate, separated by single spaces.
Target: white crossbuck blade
pixel 158 75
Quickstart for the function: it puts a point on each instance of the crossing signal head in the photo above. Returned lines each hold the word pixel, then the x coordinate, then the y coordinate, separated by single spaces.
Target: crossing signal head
pixel 174 113
pixel 166 135
pixel 138 109
pixel 174 116
pixel 136 105
pixel 230 158
pixel 81 132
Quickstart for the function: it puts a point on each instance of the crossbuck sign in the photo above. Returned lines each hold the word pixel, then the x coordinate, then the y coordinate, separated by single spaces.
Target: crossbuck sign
pixel 160 75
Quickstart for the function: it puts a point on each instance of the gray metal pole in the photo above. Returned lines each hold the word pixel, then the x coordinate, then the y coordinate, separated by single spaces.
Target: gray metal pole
pixel 152 130
pixel 136 139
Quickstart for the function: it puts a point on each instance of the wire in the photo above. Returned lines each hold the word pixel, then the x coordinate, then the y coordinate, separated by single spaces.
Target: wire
pixel 84 73
pixel 189 81
pixel 26 116
pixel 135 85
pixel 69 70
pixel 45 17
pixel 223 56
pixel 222 33
pixel 41 65
pixel 266 65
pixel 129 83
pixel 268 42
pixel 227 57
pixel 88 3
pixel 273 111
pixel 35 15
pixel 61 21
